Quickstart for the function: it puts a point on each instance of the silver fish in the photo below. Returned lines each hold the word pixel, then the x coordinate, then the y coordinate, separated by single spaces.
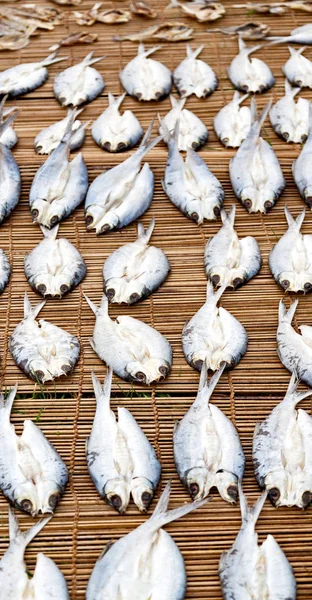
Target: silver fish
pixel 10 177
pixel 59 186
pixel 290 260
pixel 122 194
pixel 290 119
pixel 194 76
pixel 26 77
pixel 5 270
pixel 207 448
pixel 145 78
pixel 55 266
pixel 232 123
pixel 192 132
pixel 79 84
pixel 255 172
pixel 250 571
pixel 281 451
pixel 135 351
pixel 49 138
pixel 146 563
pixel 9 137
pixel 33 475
pixel 47 582
pixel 189 183
pixel 301 167
pixel 41 350
pixel 294 350
pixel 298 68
pixel 121 460
pixel 135 270
pixel 300 35
pixel 115 132
pixel 213 336
pixel 231 261
pixel 250 74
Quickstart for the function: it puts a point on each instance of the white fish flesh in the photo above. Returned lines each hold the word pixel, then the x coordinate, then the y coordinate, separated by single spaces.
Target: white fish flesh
pixel 255 172
pixel 146 563
pixel 294 350
pixel 122 194
pixel 26 77
pixel 5 270
pixel 189 183
pixel 9 137
pixel 115 132
pixel 298 68
pixel 290 119
pixel 192 132
pixel 302 168
pixel 47 582
pixel 32 474
pixel 145 78
pixel 135 351
pixel 250 571
pixel 231 261
pixel 232 123
pixel 55 266
pixel 135 270
pixel 194 76
pixel 49 138
pixel 213 336
pixel 250 74
pixel 59 186
pixel 10 177
pixel 41 350
pixel 207 448
pixel 121 460
pixel 299 35
pixel 79 84
pixel 281 451
pixel 290 260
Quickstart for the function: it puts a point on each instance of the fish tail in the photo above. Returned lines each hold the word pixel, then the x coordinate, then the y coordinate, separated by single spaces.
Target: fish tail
pixel 24 538
pixel 89 60
pixel 115 101
pixel 214 380
pixel 295 51
pixel 172 4
pixel 277 39
pixel 250 514
pixel 105 390
pixel 230 217
pixel 6 402
pixel 264 113
pixel 238 98
pixel 169 135
pixel 292 389
pixel 69 133
pixel 162 515
pixel 294 222
pixel 141 49
pixel 290 90
pixel 52 58
pixel 212 294
pixel 287 315
pixel 93 307
pixel 146 234
pixel 50 233
pixel 203 377
pixel 5 124
pixel 147 144
pixel 30 311
pixel 193 53
pixel 253 110
pixel 176 102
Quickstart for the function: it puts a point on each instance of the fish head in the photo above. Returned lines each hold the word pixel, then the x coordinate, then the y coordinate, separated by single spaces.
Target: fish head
pixel 49 495
pixel 257 201
pixel 197 483
pixel 149 370
pixel 301 489
pixel 227 484
pixel 117 493
pixel 99 219
pixel 276 483
pixel 26 498
pixel 47 213
pixel 119 290
pixel 295 282
pixel 142 491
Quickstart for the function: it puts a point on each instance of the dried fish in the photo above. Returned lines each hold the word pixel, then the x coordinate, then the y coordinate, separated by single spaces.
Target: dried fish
pixel 143 9
pixel 250 74
pixel 247 31
pixel 67 2
pixel 194 76
pixel 75 38
pixel 80 83
pixel 16 41
pixel 26 15
pixel 26 77
pixel 201 10
pixel 300 35
pixel 276 8
pixel 112 15
pixel 145 78
pixel 171 31
pixel 192 132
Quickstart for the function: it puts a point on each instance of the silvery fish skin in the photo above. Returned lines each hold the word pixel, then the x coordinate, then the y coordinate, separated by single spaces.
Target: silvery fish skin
pixel 79 84
pixel 249 570
pixel 255 172
pixel 47 582
pixel 192 132
pixel 9 137
pixel 290 119
pixel 121 460
pixel 301 168
pixel 122 194
pixel 115 132
pixel 300 35
pixel 26 77
pixel 231 261
pixel 55 266
pixel 250 74
pixel 33 475
pixel 146 563
pixel 207 448
pixel 189 183
pixel 281 451
pixel 41 350
pixel 135 270
pixel 135 351
pixel 5 270
pixel 232 123
pixel 145 78
pixel 194 76
pixel 294 350
pixel 213 336
pixel 290 260
pixel 59 186
pixel 298 68
pixel 49 138
pixel 10 177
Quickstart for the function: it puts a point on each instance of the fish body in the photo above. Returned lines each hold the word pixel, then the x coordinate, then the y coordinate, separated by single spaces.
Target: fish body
pixel 145 78
pixel 115 132
pixel 121 460
pixel 231 261
pixel 294 350
pixel 194 76
pixel 250 74
pixel 233 122
pixel 55 266
pixel 213 336
pixel 298 69
pixel 201 10
pixel 26 77
pixel 135 351
pixel 41 350
pixel 135 270
pixel 290 119
pixel 8 137
pixel 207 448
pixel 49 138
pixel 299 35
pixel 79 84
pixel 5 270
pixel 10 177
pixel 192 132
pixel 247 31
pixel 302 168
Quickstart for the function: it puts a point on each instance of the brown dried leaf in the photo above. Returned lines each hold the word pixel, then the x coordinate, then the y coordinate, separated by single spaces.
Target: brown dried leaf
pixel 172 31
pixel 143 9
pixel 247 31
pixel 75 38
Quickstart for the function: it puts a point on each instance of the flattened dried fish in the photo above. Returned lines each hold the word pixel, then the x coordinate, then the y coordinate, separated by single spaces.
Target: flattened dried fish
pixel 49 138
pixel 8 137
pixel 80 83
pixel 194 76
pixel 143 9
pixel 67 2
pixel 17 40
pixel 10 177
pixel 301 168
pixel 290 119
pixel 201 10
pixel 250 75
pixel 145 78
pixel 75 38
pixel 294 350
pixel 300 35
pixel 298 68
pixel 110 16
pixel 192 132
pixel 26 77
pixel 232 123
pixel 247 31
pixel 275 8
pixel 171 31
pixel 115 132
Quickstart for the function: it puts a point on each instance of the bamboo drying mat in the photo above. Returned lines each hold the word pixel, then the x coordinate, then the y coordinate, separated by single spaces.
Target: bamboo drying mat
pixel 84 523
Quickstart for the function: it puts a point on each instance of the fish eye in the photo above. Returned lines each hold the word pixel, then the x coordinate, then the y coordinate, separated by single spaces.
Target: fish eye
pixel 198 364
pixel 110 293
pixel 307 286
pixel 66 369
pixel 237 282
pixel 54 500
pixel 285 284
pixel 27 506
pixel 194 145
pixel 285 135
pixel 41 288
pixel 262 88
pixel 216 211
pixel 116 502
pixel 268 205
pixel 225 140
pixel 215 279
pixel 134 298
pixel 105 228
pixel 105 146
pixel 164 371
pixel 247 203
pixel 146 499
pixel 121 146
pixel 304 138
pixel 245 88
pixel 39 375
pixel 309 201
pixel 64 288
pixel 89 220
pixel 274 495
pixel 298 83
pixel 194 216
pixel 306 499
pixel 54 220
pixel 233 492
pixel 193 489
pixel 140 376
pixel 35 213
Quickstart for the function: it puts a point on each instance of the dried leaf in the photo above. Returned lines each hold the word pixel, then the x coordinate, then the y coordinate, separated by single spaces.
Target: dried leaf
pixel 171 31
pixel 143 9
pixel 201 10
pixel 75 38
pixel 247 31
pixel 109 16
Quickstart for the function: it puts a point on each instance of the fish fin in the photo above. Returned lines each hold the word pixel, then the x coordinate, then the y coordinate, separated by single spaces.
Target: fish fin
pixel 5 124
pixel 24 538
pixel 292 389
pixel 164 516
pixel 104 304
pixel 250 513
pixel 230 217
pixel 177 102
pixel 284 314
pixel 96 386
pixel 69 133
pixel 93 307
pixel 172 4
pixel 50 233
pixel 256 429
pixel 193 53
pixel 117 101
pixel 147 134
pixel 176 426
pixel 214 380
pixel 242 46
pixel 51 59
pixel 106 548
pixel 141 49
pixel 212 294
pixel 30 311
pixel 275 39
pixel 146 234
pixel 238 98
pixel 290 90
pixel 92 344
pixel 203 377
pixel 89 60
pixel 253 110
pixel 263 115
pixel 300 219
pixel 162 504
pixel 6 402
